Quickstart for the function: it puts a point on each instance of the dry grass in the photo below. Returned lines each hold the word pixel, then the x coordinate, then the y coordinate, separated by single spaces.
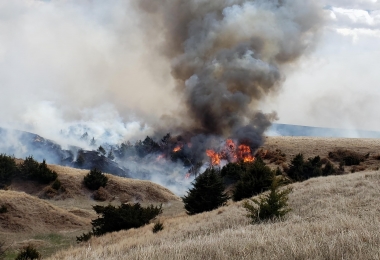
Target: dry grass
pixel 335 217
pixel 27 213
pixel 57 217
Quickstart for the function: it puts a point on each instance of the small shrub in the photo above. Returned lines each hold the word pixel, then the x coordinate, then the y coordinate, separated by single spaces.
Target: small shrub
pixel 207 193
pixel 329 169
pixel 56 184
pixel 276 156
pixel 273 205
pixel 157 227
pixel 84 237
pixel 28 253
pixel 95 179
pixel 100 194
pixel 348 157
pixel 3 209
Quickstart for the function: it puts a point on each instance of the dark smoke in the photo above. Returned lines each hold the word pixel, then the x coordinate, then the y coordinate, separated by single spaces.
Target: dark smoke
pixel 228 55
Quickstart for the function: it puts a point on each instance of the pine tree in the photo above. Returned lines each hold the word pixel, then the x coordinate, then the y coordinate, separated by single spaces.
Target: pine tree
pixel 101 150
pixel 295 171
pixel 207 193
pixel 93 142
pixel 95 179
pixel 273 205
pixel 110 155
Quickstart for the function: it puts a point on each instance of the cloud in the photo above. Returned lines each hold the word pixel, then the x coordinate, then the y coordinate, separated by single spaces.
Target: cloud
pixel 338 85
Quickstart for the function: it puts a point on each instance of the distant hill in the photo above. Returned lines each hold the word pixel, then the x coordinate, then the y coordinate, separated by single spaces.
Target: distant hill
pixel 298 130
pixel 22 144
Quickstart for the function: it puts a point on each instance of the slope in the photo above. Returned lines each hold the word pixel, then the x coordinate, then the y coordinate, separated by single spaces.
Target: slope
pixel 334 217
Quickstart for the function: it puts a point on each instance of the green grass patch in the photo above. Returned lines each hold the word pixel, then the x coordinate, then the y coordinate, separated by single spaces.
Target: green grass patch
pixel 55 242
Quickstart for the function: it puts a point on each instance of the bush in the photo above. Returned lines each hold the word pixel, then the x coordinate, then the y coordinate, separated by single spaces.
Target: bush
pixel 28 253
pixel 124 217
pixel 33 170
pixel 3 209
pixel 95 179
pixel 276 156
pixel 299 170
pixel 273 205
pixel 101 194
pixel 84 237
pixel 8 169
pixel 207 193
pixel 56 184
pixel 254 179
pixel 157 227
pixel 348 157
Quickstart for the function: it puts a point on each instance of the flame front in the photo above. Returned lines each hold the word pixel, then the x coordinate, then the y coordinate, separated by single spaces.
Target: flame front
pixel 177 149
pixel 244 153
pixel 231 153
pixel 214 157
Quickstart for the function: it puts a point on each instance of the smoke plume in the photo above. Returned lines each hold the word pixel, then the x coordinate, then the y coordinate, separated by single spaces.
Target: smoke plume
pixel 226 56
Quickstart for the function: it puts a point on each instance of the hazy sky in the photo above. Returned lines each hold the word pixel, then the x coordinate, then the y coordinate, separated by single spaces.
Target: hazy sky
pixel 66 63
pixel 338 85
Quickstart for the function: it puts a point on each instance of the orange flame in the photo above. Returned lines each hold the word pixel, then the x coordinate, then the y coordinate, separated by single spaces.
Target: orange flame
pixel 231 153
pixel 177 149
pixel 187 176
pixel 214 157
pixel 244 153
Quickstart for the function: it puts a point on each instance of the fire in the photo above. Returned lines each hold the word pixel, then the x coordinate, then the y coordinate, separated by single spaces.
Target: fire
pixel 214 157
pixel 244 153
pixel 231 153
pixel 187 176
pixel 177 149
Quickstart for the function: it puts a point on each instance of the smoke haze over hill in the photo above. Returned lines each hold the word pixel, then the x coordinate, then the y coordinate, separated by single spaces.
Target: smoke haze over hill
pixel 121 70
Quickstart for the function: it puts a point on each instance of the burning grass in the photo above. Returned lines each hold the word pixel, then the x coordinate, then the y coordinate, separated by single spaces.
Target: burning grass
pixel 332 217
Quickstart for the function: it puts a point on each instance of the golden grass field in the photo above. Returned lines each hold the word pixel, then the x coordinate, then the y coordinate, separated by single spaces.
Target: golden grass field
pixel 334 217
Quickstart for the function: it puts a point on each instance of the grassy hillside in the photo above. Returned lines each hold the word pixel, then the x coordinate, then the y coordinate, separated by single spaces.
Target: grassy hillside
pixel 52 222
pixel 334 217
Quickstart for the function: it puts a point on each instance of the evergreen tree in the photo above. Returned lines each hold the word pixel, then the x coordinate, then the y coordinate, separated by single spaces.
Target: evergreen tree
pixel 329 169
pixel 95 179
pixel 207 193
pixel 270 206
pixel 255 179
pixel 93 142
pixel 295 171
pixel 110 155
pixel 101 150
pixel 8 169
pixel 80 158
pixel 124 217
pixel 33 170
